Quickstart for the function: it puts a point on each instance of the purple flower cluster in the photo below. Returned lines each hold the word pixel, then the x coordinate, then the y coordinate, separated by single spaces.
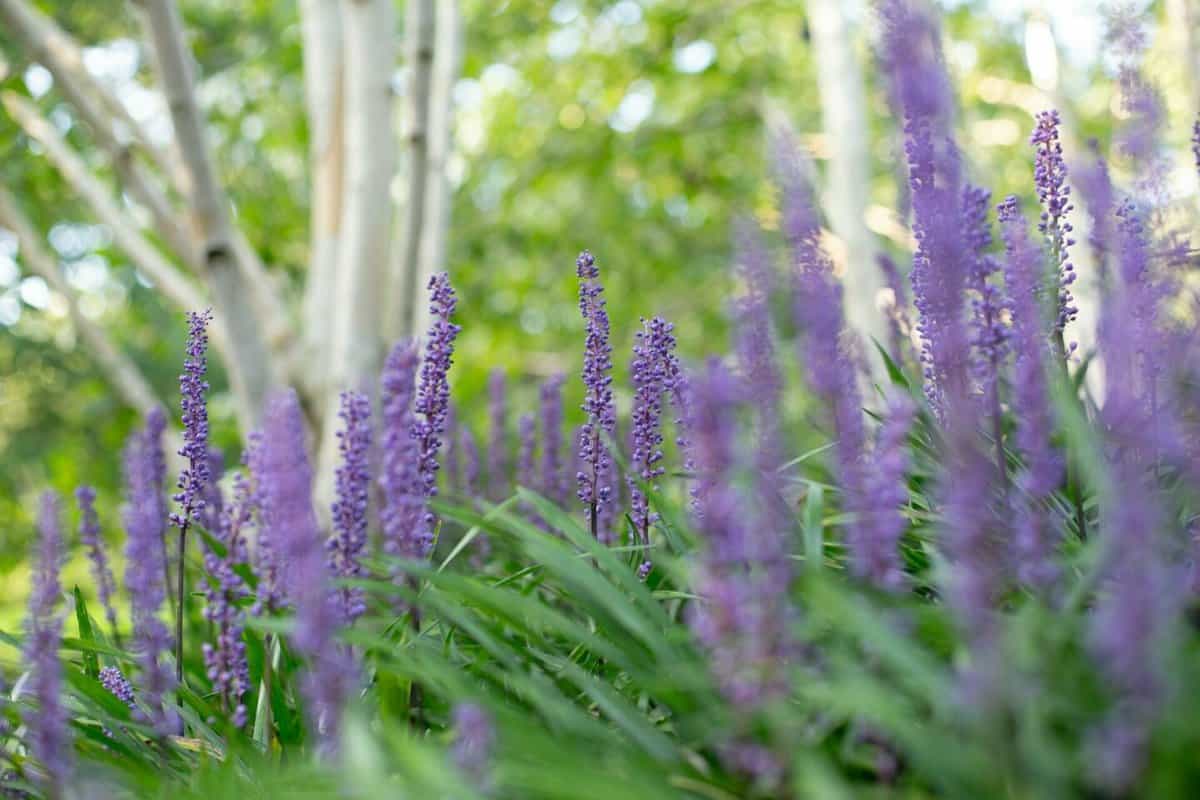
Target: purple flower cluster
pixel 49 740
pixel 554 480
pixel 1050 179
pixel 988 334
pixel 402 518
pixel 745 572
pixel 349 540
pixel 286 497
pixel 829 363
pixel 474 742
pixel 145 569
pixel 195 478
pixel 653 372
pixel 526 449
pixel 745 618
pixel 912 56
pixel 497 453
pixel 1035 536
pixel 89 537
pixel 594 478
pixel 433 390
pixel 112 679
pixel 755 346
pixel 874 540
pixel 225 657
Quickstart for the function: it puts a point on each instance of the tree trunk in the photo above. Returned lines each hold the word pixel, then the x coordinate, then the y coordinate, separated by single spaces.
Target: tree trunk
pixel 324 71
pixel 847 184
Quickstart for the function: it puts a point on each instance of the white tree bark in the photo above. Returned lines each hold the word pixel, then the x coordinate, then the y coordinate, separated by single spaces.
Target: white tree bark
pixel 363 251
pixel 120 370
pixel 446 62
pixel 418 53
pixel 324 69
pixel 356 305
pixel 251 372
pixel 847 185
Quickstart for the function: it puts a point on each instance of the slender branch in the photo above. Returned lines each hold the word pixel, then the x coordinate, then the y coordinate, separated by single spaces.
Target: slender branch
pixel 418 53
pixel 174 285
pixel 321 27
pixel 446 62
pixel 118 368
pixel 52 47
pixel 120 135
pixel 250 368
pixel 116 132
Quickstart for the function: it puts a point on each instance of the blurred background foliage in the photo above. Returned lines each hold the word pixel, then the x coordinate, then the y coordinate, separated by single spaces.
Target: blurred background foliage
pixel 635 129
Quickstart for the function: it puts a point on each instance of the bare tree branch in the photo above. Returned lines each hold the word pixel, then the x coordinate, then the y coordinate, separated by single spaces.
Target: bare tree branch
pixel 52 47
pixel 323 83
pixel 174 285
pixel 446 61
pixel 418 53
pixel 118 368
pixel 250 368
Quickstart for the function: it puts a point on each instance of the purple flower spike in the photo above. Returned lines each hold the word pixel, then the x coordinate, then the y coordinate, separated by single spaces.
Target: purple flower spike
pixel 755 344
pixel 405 533
pixel 474 741
pixel 497 454
pixel 116 684
pixel 349 540
pixel 225 657
pixel 287 507
pixel 654 367
pixel 988 334
pixel 49 740
pixel 195 478
pixel 745 619
pixel 554 484
pixel 527 441
pixel 594 477
pixel 145 574
pixel 874 541
pixel 89 537
pixel 1050 177
pixel 433 390
pixel 1036 537
pixel 912 57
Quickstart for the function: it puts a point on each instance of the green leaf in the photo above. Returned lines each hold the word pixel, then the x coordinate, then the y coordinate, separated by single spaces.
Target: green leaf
pixel 91 664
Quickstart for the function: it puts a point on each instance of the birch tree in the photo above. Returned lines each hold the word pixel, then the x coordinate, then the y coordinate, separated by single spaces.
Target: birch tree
pixel 330 333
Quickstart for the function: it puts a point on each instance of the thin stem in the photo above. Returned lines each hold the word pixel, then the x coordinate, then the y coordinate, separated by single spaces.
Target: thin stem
pixel 416 694
pixel 179 599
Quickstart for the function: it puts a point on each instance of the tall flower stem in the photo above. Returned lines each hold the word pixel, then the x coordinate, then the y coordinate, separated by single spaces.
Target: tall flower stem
pixel 195 477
